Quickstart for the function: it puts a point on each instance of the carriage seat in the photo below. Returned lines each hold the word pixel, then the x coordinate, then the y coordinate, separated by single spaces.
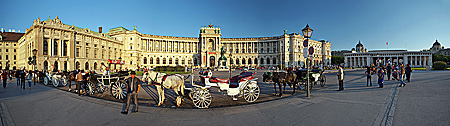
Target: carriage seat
pixel 217 80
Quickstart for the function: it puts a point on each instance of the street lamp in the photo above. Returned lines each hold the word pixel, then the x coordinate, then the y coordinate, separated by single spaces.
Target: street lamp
pixel 229 57
pixel 120 63
pixel 307 32
pixel 34 64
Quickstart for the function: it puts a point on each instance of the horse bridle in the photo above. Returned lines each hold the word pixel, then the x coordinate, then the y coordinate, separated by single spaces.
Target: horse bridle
pixel 153 80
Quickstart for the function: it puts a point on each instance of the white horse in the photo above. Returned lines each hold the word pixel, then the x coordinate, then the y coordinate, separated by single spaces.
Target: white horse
pixel 174 82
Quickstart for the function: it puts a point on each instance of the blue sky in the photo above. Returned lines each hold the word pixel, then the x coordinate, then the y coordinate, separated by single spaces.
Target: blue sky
pixel 405 24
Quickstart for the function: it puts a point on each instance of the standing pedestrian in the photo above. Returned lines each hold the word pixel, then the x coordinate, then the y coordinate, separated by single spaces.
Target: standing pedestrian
pixel 23 74
pixel 17 75
pixel 133 87
pixel 388 71
pixel 381 77
pixel 4 78
pixel 79 81
pixel 29 78
pixel 402 75
pixel 340 76
pixel 369 76
pixel 408 72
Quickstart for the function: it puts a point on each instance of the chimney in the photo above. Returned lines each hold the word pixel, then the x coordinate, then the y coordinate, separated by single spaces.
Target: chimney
pixel 100 29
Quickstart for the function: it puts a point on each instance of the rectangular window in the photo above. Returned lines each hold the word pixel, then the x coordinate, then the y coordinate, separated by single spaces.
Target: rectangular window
pixel 55 47
pixel 87 53
pixel 65 48
pixel 95 53
pixel 14 44
pixel 7 57
pixel 14 57
pixel 77 52
pixel 0 57
pixel 6 44
pixel 45 47
pixel 14 50
pixel 6 50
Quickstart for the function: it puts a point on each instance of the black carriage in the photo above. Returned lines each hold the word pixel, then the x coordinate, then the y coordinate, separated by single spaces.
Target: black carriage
pixel 315 76
pixel 115 82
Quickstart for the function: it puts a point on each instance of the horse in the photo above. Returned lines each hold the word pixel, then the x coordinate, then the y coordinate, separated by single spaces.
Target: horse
pixel 163 81
pixel 70 77
pixel 281 78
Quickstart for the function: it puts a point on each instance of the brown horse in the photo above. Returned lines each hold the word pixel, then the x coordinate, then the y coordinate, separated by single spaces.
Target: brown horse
pixel 70 76
pixel 281 78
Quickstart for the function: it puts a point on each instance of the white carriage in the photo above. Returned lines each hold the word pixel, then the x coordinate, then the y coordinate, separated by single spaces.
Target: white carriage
pixel 56 79
pixel 243 85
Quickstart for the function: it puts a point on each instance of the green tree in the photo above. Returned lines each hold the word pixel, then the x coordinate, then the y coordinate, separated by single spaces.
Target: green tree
pixel 336 60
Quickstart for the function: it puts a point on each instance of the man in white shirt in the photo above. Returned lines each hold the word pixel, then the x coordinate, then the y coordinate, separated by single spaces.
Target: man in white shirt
pixel 340 76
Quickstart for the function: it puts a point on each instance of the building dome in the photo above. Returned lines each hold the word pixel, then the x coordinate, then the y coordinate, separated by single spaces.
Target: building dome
pixel 359 44
pixel 436 43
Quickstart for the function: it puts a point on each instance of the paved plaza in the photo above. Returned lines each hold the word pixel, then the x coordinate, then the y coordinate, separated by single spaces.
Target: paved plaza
pixel 424 101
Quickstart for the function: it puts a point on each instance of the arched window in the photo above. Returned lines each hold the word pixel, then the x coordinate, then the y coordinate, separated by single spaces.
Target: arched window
pixel 86 66
pixel 157 60
pixel 231 61
pixel 55 67
pixel 249 61
pixel 274 61
pixel 212 44
pixel 170 60
pixel 95 66
pixel 268 61
pixel 182 62
pixel 77 64
pixel 261 61
pixel 145 60
pixel 65 65
pixel 268 50
pixel 195 61
pixel 164 61
pixel 243 61
pixel 176 61
pixel 151 60
pixel 237 61
pixel 256 61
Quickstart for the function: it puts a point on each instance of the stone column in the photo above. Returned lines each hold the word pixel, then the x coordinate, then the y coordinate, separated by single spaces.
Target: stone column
pixel 415 61
pixel 345 61
pixel 425 61
pixel 351 62
pixel 420 61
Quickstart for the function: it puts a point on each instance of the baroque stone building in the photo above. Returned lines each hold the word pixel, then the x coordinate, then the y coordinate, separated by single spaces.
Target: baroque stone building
pixel 67 47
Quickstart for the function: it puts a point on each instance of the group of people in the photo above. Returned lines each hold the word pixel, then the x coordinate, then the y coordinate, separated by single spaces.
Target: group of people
pixel 22 76
pixel 400 71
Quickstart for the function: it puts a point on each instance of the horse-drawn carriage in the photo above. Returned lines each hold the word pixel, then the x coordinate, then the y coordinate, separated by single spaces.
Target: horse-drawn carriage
pixel 316 76
pixel 54 78
pixel 243 85
pixel 115 82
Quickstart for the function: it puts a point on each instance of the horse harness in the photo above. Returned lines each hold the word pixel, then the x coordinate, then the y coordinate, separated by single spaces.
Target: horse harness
pixel 162 80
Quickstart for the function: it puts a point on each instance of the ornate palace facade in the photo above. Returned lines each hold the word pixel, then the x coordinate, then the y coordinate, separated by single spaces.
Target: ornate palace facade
pixel 67 47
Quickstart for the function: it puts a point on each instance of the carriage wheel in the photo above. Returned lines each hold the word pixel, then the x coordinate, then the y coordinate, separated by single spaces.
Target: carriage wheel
pixel 55 82
pixel 90 88
pixel 118 90
pixel 100 87
pixel 251 92
pixel 45 81
pixel 201 98
pixel 64 81
pixel 323 80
